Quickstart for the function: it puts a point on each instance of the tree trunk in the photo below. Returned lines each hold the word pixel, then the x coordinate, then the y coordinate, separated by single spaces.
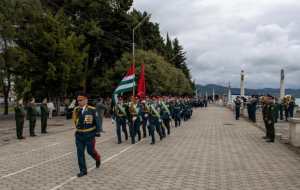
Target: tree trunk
pixel 57 104
pixel 85 69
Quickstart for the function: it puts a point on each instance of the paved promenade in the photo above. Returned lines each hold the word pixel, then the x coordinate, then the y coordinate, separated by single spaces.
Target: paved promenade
pixel 210 151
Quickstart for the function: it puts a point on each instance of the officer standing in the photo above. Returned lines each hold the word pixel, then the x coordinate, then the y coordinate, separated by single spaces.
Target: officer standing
pixel 20 118
pixel 253 108
pixel 265 107
pixel 237 107
pixel 292 107
pixel 248 103
pixel 271 119
pixel 88 126
pixel 177 105
pixel 155 118
pixel 168 112
pixel 121 118
pixel 44 116
pixel 32 117
pixel 135 112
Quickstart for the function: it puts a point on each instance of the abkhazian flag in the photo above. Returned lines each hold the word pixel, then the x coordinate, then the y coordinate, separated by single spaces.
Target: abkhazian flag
pixel 126 85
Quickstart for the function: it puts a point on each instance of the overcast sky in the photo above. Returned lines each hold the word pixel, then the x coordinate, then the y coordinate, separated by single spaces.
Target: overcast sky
pixel 223 37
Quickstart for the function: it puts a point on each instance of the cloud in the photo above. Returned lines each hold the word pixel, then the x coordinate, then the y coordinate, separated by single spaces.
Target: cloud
pixel 222 38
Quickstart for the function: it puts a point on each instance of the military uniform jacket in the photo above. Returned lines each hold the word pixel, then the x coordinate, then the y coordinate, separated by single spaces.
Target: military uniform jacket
pixel 170 107
pixel 265 106
pixel 152 116
pixel 44 109
pixel 118 114
pixel 177 105
pixel 144 109
pixel 253 105
pixel 186 104
pixel 271 112
pixel 238 104
pixel 88 122
pixel 132 112
pixel 32 110
pixel 19 111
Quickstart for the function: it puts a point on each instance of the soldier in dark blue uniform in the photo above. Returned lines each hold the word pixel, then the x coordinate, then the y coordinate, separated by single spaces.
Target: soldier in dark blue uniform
pixel 155 118
pixel 248 103
pixel 145 109
pixel 292 107
pixel 121 118
pixel 134 118
pixel 167 109
pixel 238 104
pixel 177 106
pixel 86 120
pixel 253 108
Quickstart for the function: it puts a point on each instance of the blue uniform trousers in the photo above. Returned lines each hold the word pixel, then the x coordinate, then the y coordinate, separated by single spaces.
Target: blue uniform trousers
pixel 155 125
pixel 286 112
pixel 167 124
pixel 281 112
pixel 145 125
pixel 121 122
pixel 253 115
pixel 85 140
pixel 237 112
pixel 135 129
pixel 177 117
pixel 291 112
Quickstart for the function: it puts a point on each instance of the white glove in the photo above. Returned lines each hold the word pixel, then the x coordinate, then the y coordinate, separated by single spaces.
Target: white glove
pixel 146 115
pixel 170 117
pixel 143 102
pixel 112 121
pixel 133 119
pixel 159 120
pixel 148 123
pixel 126 121
pixel 180 111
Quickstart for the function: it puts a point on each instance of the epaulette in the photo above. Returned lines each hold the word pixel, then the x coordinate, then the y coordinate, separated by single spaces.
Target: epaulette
pixel 91 107
pixel 76 107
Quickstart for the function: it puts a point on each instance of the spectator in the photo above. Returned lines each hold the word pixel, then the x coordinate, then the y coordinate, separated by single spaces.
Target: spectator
pixel 100 107
pixel 50 105
pixel 108 108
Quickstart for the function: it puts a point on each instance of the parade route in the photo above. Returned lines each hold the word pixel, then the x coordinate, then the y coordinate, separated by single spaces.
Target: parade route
pixel 210 151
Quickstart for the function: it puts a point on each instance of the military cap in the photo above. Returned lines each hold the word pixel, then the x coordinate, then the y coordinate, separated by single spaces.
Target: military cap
pixel 45 99
pixel 136 97
pixel 146 96
pixel 154 97
pixel 32 99
pixel 270 96
pixel 237 97
pixel 81 95
pixel 19 98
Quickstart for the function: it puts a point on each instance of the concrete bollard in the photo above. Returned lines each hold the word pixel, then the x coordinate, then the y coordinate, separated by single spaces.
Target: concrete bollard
pixel 245 112
pixel 297 115
pixel 295 132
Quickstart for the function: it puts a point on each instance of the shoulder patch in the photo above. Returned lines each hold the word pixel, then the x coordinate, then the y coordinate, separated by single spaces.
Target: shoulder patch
pixel 91 107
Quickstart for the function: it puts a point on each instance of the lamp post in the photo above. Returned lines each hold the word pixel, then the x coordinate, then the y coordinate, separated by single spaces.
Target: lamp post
pixel 229 93
pixel 148 16
pixel 242 84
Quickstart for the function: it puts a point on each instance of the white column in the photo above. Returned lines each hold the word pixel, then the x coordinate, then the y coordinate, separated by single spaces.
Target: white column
pixel 282 93
pixel 213 94
pixel 242 84
pixel 229 93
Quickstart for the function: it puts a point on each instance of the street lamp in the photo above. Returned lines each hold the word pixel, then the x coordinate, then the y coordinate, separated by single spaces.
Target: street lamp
pixel 148 16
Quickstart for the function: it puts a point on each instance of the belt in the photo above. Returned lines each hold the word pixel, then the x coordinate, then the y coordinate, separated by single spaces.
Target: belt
pixel 85 130
pixel 177 107
pixel 145 111
pixel 153 115
pixel 166 112
pixel 120 115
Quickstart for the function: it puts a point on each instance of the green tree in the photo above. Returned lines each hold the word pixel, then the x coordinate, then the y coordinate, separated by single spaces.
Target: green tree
pixel 169 50
pixel 160 76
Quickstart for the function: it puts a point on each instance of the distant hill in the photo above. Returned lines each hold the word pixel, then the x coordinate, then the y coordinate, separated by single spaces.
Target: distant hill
pixel 224 90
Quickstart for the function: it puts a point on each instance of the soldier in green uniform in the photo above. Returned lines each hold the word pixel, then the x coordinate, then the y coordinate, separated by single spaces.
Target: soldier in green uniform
pixel 44 116
pixel 265 106
pixel 88 126
pixel 20 117
pixel 237 107
pixel 271 119
pixel 121 118
pixel 32 117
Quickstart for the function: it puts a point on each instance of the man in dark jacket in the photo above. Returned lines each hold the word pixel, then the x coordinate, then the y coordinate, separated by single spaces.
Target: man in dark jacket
pixel 20 117
pixel 44 116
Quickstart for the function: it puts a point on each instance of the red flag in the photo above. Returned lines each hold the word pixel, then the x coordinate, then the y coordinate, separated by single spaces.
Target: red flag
pixel 142 84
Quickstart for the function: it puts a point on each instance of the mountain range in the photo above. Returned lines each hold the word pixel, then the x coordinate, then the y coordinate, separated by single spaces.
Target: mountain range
pixel 224 90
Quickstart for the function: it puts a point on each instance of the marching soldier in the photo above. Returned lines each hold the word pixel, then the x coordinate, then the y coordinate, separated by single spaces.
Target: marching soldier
pixel 177 106
pixel 238 104
pixel 271 119
pixel 121 118
pixel 20 118
pixel 135 112
pixel 155 118
pixel 168 112
pixel 185 109
pixel 253 108
pixel 44 116
pixel 88 127
pixel 32 117
pixel 145 110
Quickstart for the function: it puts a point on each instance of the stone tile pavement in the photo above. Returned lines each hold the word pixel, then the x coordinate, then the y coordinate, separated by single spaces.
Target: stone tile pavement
pixel 210 151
